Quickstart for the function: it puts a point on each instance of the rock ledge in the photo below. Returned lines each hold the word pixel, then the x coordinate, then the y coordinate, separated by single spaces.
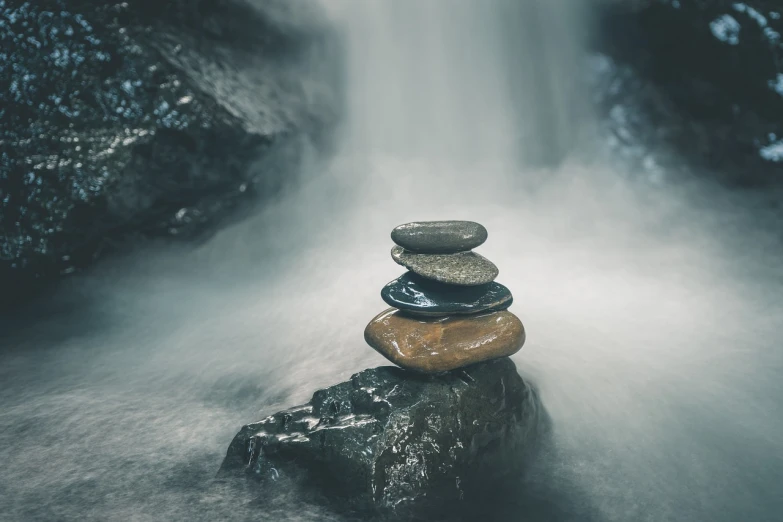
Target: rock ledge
pixel 393 439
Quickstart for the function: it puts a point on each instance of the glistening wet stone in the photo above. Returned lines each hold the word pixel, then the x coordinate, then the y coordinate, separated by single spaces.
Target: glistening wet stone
pixel 439 344
pixel 118 122
pixel 462 268
pixel 420 296
pixel 390 439
pixel 439 237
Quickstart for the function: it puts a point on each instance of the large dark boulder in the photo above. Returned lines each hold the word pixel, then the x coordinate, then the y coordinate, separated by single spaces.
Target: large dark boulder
pixel 700 78
pixel 393 440
pixel 121 120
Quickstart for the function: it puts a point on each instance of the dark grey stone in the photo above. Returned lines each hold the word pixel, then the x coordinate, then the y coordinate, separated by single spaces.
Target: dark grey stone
pixel 392 439
pixel 697 79
pixel 462 268
pixel 417 295
pixel 126 120
pixel 439 237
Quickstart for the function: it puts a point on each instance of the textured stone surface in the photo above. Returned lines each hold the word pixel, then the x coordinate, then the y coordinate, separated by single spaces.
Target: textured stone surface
pixel 700 79
pixel 123 120
pixel 417 295
pixel 437 344
pixel 393 439
pixel 463 268
pixel 439 237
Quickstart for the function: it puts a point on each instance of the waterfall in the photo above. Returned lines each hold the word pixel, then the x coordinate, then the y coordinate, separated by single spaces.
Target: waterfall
pixel 464 80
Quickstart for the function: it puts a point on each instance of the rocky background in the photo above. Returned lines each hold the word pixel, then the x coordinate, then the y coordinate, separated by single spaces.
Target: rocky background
pixel 122 121
pixel 130 120
pixel 700 80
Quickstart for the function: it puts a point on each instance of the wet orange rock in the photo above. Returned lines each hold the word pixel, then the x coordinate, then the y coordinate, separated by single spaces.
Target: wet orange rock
pixel 438 344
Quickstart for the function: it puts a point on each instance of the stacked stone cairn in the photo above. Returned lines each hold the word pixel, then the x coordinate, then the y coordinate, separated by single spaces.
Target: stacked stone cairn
pixel 447 310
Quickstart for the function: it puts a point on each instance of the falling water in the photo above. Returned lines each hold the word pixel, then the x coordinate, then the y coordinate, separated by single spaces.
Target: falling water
pixel 653 317
pixel 459 79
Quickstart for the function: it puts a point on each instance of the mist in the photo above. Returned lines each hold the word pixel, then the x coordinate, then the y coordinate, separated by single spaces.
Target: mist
pixel 653 311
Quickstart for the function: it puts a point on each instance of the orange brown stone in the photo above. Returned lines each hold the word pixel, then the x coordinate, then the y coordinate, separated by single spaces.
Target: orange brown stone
pixel 439 344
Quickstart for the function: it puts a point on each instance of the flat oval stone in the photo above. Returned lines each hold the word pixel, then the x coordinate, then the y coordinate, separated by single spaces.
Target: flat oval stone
pixel 462 268
pixel 417 295
pixel 433 345
pixel 439 237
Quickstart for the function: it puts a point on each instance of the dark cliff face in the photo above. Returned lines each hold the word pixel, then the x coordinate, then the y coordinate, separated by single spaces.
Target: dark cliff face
pixel 123 120
pixel 707 80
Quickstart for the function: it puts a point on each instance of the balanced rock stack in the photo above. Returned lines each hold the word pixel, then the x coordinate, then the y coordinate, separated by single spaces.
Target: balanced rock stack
pixel 447 310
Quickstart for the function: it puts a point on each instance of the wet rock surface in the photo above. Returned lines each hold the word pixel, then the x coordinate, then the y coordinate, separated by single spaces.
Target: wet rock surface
pixel 123 120
pixel 417 295
pixel 439 237
pixel 389 440
pixel 702 79
pixel 437 344
pixel 463 268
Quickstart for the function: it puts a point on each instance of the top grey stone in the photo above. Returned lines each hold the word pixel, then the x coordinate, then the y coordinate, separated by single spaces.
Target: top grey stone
pixel 439 237
pixel 462 268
